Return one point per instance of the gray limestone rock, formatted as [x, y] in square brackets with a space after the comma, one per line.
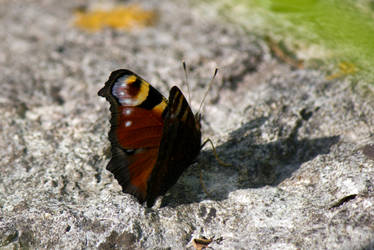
[300, 147]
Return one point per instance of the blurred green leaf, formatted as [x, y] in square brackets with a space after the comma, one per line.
[343, 28]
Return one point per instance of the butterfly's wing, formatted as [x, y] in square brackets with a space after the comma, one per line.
[179, 147]
[136, 129]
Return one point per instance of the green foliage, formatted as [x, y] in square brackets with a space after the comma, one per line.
[343, 28]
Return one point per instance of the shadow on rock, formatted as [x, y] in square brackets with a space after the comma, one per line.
[253, 165]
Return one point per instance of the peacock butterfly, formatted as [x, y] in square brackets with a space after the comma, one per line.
[153, 140]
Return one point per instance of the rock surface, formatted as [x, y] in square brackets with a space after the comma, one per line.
[299, 145]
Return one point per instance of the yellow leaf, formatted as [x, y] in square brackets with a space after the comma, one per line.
[121, 17]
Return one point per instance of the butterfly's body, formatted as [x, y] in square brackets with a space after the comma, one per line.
[153, 139]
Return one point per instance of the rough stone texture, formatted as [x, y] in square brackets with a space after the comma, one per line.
[302, 173]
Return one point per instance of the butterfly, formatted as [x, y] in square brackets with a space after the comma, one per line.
[153, 140]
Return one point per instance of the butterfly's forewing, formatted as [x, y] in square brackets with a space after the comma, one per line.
[136, 130]
[180, 145]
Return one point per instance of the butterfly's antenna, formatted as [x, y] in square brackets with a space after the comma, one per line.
[206, 92]
[186, 79]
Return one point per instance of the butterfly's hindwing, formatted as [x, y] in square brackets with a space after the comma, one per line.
[180, 145]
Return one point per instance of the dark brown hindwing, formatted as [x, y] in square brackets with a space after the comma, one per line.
[180, 145]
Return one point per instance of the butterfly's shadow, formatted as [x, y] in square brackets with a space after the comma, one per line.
[253, 165]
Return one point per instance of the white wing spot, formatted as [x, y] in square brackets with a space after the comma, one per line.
[127, 112]
[128, 123]
[121, 93]
[128, 101]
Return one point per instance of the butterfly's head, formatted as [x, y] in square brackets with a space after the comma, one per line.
[197, 121]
